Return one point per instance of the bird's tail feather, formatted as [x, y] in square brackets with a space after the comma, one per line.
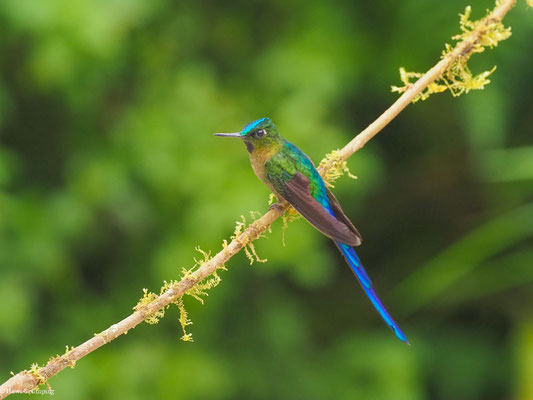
[355, 264]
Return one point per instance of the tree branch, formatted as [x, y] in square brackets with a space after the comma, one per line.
[461, 50]
[26, 381]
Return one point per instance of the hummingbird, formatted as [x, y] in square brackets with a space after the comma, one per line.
[292, 176]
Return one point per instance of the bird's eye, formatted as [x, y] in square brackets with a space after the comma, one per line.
[260, 133]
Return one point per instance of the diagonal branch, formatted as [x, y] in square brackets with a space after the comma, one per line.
[26, 381]
[461, 50]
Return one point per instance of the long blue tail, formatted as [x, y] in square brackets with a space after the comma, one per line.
[355, 264]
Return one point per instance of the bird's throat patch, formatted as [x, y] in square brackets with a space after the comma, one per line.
[250, 147]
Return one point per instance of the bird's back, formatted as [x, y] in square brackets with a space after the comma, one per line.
[290, 160]
[293, 176]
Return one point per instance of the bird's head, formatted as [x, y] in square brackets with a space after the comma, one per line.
[257, 135]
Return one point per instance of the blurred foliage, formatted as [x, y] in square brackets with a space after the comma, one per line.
[109, 178]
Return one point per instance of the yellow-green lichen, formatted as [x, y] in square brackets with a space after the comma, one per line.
[64, 358]
[458, 78]
[334, 166]
[288, 216]
[272, 199]
[184, 321]
[245, 240]
[150, 317]
[35, 372]
[201, 288]
[197, 291]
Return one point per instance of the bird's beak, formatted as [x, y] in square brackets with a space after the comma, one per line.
[234, 134]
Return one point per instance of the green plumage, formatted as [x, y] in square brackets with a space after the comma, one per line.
[283, 165]
[292, 176]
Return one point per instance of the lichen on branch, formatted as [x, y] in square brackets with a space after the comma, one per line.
[197, 291]
[334, 166]
[204, 276]
[478, 35]
[244, 239]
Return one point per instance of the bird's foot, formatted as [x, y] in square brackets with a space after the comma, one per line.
[277, 207]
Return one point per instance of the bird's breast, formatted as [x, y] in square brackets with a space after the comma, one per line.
[258, 165]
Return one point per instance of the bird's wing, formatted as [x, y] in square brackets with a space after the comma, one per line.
[337, 210]
[296, 191]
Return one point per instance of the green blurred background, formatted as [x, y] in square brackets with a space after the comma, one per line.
[109, 178]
